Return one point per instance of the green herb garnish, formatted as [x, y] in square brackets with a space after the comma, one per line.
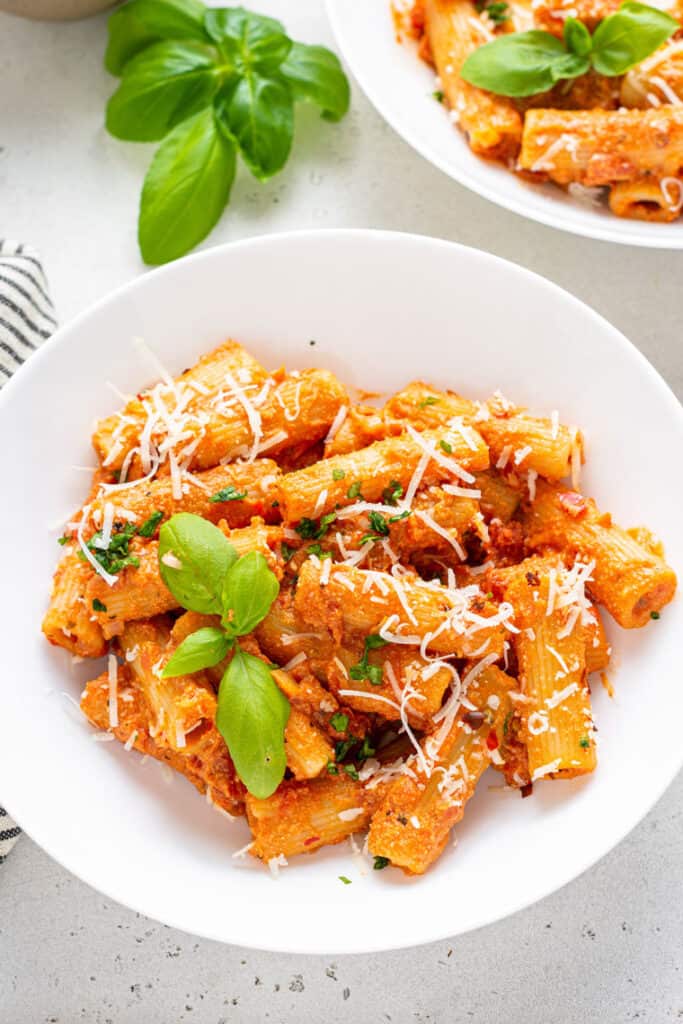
[318, 551]
[63, 540]
[380, 863]
[97, 605]
[332, 768]
[526, 63]
[363, 669]
[393, 493]
[211, 83]
[438, 96]
[351, 771]
[339, 721]
[655, 615]
[344, 879]
[229, 493]
[354, 490]
[116, 556]
[148, 528]
[314, 529]
[498, 12]
[584, 742]
[286, 551]
[430, 399]
[211, 579]
[338, 474]
[446, 446]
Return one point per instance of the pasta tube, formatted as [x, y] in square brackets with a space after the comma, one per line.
[303, 816]
[368, 473]
[628, 579]
[492, 124]
[207, 765]
[454, 623]
[557, 725]
[418, 810]
[596, 147]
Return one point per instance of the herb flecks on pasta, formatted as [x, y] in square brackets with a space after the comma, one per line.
[333, 618]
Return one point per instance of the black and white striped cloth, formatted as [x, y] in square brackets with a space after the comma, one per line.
[27, 318]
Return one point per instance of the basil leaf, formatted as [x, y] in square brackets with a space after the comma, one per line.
[202, 649]
[577, 37]
[251, 717]
[249, 41]
[521, 64]
[161, 87]
[143, 22]
[249, 590]
[186, 188]
[259, 114]
[629, 36]
[315, 74]
[205, 556]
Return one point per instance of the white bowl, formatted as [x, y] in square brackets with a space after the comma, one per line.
[382, 309]
[401, 87]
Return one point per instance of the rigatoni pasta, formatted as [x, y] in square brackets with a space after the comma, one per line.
[608, 131]
[434, 603]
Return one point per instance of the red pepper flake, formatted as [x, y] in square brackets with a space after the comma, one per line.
[311, 839]
[573, 504]
[492, 740]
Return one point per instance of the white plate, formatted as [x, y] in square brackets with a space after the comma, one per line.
[400, 86]
[383, 309]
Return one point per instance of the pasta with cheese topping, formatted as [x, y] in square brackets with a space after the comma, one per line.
[438, 585]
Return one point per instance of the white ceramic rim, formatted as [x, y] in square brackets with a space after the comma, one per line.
[599, 228]
[422, 932]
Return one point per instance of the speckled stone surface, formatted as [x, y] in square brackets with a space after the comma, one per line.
[608, 947]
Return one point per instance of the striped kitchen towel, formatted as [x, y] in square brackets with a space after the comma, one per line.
[27, 318]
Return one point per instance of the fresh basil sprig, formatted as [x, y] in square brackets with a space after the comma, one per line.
[525, 63]
[203, 572]
[209, 82]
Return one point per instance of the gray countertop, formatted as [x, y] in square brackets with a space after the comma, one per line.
[608, 946]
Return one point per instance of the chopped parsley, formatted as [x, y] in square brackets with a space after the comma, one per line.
[332, 768]
[354, 490]
[402, 515]
[584, 742]
[314, 529]
[447, 447]
[430, 399]
[438, 95]
[351, 771]
[339, 721]
[380, 863]
[342, 747]
[229, 493]
[318, 551]
[287, 551]
[97, 605]
[363, 669]
[654, 615]
[338, 474]
[366, 750]
[343, 878]
[498, 12]
[379, 523]
[116, 556]
[392, 493]
[63, 540]
[149, 526]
